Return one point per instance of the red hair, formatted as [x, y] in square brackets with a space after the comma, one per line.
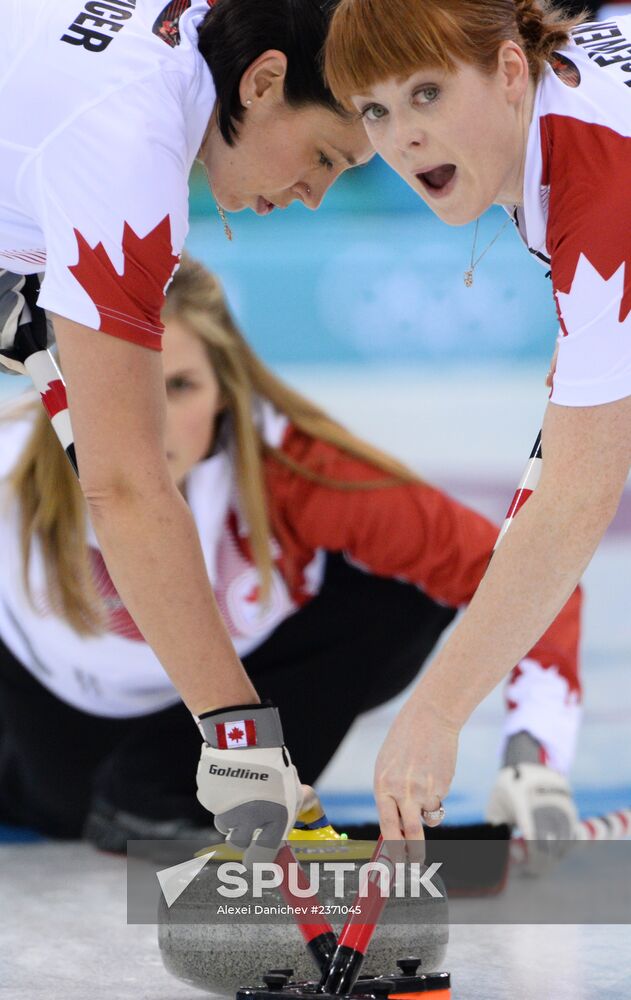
[373, 40]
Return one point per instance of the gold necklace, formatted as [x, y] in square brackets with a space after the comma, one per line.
[222, 215]
[226, 225]
[468, 275]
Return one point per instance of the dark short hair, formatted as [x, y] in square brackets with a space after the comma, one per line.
[235, 32]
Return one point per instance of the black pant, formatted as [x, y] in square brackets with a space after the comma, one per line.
[357, 644]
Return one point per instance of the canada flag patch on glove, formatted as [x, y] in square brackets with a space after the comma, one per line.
[231, 735]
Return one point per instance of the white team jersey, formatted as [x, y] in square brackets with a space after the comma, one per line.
[104, 107]
[116, 673]
[576, 216]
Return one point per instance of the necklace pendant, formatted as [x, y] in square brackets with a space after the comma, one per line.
[468, 277]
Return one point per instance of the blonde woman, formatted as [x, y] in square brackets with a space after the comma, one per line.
[335, 570]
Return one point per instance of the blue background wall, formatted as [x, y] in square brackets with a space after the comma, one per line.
[374, 276]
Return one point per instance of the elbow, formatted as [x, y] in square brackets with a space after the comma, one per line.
[110, 494]
[598, 507]
[589, 509]
[607, 509]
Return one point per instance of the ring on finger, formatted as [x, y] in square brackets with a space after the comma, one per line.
[434, 815]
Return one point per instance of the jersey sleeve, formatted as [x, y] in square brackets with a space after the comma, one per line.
[409, 531]
[587, 167]
[112, 190]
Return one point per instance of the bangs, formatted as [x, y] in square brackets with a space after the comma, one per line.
[373, 40]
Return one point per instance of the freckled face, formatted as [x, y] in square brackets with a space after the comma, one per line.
[193, 399]
[455, 138]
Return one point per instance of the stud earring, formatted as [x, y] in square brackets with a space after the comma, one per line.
[248, 103]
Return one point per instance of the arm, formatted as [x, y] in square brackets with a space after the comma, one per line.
[147, 534]
[148, 537]
[587, 454]
[108, 263]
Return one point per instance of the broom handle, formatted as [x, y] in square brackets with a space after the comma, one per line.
[47, 379]
[358, 930]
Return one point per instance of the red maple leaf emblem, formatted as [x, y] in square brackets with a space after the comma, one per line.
[236, 734]
[54, 399]
[253, 595]
[129, 304]
[589, 201]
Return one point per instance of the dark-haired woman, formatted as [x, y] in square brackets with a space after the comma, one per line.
[476, 102]
[105, 106]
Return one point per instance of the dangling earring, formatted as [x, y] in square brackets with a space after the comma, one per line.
[226, 225]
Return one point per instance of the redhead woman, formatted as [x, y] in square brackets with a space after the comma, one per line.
[334, 568]
[105, 106]
[482, 102]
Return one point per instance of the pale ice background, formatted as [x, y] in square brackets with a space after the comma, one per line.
[63, 934]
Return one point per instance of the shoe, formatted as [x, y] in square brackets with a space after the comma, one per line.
[109, 829]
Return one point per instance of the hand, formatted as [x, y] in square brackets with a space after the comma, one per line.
[414, 770]
[24, 326]
[246, 778]
[538, 802]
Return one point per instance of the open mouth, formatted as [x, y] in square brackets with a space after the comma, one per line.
[263, 206]
[438, 180]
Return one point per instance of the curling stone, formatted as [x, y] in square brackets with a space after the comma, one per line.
[221, 956]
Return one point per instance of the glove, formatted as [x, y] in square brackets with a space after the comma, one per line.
[24, 326]
[536, 800]
[246, 778]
